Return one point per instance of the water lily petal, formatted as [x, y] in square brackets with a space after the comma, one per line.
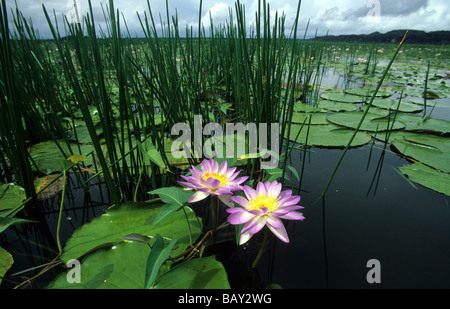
[259, 224]
[250, 224]
[250, 192]
[280, 233]
[244, 237]
[274, 188]
[289, 201]
[187, 184]
[198, 196]
[223, 167]
[261, 188]
[274, 222]
[293, 215]
[212, 182]
[225, 198]
[240, 200]
[240, 217]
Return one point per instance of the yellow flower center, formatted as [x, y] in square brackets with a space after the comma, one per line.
[221, 177]
[263, 200]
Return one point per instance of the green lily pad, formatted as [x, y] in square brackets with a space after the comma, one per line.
[48, 157]
[316, 118]
[427, 177]
[418, 123]
[122, 266]
[337, 106]
[393, 105]
[201, 273]
[367, 92]
[372, 122]
[428, 149]
[131, 218]
[327, 136]
[305, 108]
[6, 261]
[11, 196]
[342, 97]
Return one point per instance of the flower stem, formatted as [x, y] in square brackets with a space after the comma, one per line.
[262, 249]
[214, 213]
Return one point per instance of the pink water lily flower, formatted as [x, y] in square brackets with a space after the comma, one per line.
[214, 180]
[265, 206]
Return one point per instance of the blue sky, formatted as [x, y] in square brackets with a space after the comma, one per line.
[337, 17]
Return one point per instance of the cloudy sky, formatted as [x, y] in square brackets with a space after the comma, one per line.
[335, 16]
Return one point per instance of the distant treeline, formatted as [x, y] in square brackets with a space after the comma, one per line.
[394, 36]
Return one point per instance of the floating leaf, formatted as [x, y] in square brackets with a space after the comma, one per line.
[428, 124]
[431, 150]
[367, 92]
[130, 218]
[6, 261]
[201, 273]
[372, 122]
[328, 136]
[337, 106]
[427, 177]
[49, 158]
[121, 266]
[393, 105]
[11, 196]
[342, 97]
[305, 108]
[316, 118]
[52, 189]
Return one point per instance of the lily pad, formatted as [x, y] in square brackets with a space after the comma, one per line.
[123, 267]
[120, 266]
[131, 218]
[427, 177]
[201, 273]
[342, 97]
[49, 158]
[11, 196]
[372, 122]
[367, 92]
[305, 108]
[327, 136]
[393, 105]
[428, 149]
[316, 118]
[337, 106]
[6, 261]
[428, 124]
[51, 190]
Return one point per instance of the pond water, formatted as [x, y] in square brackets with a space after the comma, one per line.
[370, 211]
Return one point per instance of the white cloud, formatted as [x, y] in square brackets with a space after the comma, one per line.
[342, 17]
